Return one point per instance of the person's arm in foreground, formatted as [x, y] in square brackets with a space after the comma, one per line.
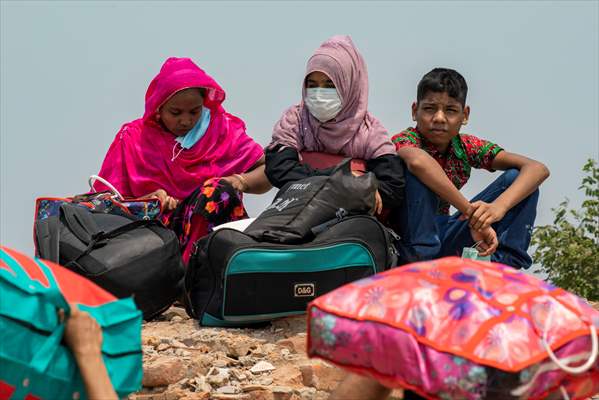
[532, 174]
[83, 336]
[356, 387]
[253, 181]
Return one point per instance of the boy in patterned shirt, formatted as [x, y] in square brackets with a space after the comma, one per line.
[439, 160]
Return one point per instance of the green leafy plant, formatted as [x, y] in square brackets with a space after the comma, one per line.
[568, 250]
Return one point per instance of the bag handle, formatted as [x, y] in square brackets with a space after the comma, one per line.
[101, 236]
[47, 239]
[344, 167]
[564, 367]
[46, 352]
[93, 178]
[52, 294]
[126, 228]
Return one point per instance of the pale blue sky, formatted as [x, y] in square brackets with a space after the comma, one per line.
[72, 72]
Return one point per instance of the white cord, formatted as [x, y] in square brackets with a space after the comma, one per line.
[93, 178]
[179, 152]
[572, 370]
[547, 366]
[564, 393]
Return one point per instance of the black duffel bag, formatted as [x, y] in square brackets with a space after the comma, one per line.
[307, 203]
[233, 280]
[127, 257]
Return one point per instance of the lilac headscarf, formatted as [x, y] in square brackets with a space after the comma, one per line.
[354, 132]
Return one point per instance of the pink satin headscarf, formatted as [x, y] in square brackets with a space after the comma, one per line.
[354, 132]
[140, 159]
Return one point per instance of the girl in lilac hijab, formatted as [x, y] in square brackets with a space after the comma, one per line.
[333, 118]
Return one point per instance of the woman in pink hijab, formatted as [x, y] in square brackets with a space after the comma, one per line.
[333, 118]
[188, 152]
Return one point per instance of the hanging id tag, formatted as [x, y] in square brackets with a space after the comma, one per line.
[472, 253]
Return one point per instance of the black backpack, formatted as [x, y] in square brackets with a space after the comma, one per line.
[125, 256]
[302, 205]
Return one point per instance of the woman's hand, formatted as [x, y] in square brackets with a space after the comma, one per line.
[378, 200]
[238, 182]
[168, 203]
[378, 203]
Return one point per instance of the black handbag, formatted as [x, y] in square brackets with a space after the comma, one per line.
[125, 256]
[305, 204]
[233, 280]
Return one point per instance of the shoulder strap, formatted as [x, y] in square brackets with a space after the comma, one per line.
[47, 239]
[100, 237]
[79, 221]
[150, 223]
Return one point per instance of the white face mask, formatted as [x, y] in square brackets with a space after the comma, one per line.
[323, 103]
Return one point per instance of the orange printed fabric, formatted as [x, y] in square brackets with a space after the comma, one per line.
[486, 312]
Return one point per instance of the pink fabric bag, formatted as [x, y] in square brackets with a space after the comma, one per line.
[460, 329]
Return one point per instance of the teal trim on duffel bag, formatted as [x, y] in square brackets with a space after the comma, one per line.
[240, 321]
[262, 317]
[210, 320]
[311, 259]
[314, 259]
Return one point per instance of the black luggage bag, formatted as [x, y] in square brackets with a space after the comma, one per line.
[300, 206]
[233, 280]
[127, 257]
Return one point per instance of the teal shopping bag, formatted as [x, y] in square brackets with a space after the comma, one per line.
[33, 360]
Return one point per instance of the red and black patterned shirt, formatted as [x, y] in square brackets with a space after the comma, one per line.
[463, 153]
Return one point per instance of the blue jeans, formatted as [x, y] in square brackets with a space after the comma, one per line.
[426, 235]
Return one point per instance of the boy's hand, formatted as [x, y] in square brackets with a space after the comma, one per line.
[482, 215]
[488, 239]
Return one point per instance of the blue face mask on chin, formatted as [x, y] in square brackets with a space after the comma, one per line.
[195, 134]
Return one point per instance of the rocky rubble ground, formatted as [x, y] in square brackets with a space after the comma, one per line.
[187, 362]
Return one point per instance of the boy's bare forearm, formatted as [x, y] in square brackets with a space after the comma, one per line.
[529, 179]
[430, 173]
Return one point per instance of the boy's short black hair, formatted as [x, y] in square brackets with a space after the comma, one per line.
[443, 80]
